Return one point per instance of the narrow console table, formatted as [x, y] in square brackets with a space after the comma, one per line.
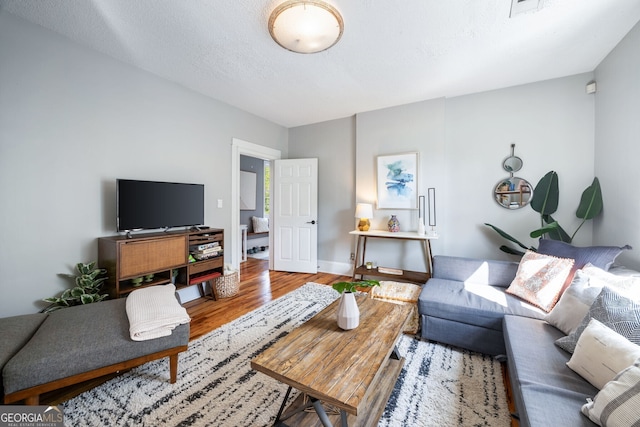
[360, 268]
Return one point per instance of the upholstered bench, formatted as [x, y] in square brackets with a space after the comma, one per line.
[75, 344]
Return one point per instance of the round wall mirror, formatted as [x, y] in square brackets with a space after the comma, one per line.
[513, 192]
[512, 164]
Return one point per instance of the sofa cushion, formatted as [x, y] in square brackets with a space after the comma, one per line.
[79, 339]
[16, 332]
[471, 303]
[616, 405]
[470, 270]
[615, 311]
[546, 391]
[540, 279]
[601, 354]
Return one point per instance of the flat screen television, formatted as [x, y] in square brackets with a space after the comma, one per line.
[143, 205]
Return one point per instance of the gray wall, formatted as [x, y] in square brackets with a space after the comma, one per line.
[551, 123]
[462, 142]
[618, 148]
[333, 144]
[72, 121]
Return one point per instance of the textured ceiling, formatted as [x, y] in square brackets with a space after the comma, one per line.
[392, 52]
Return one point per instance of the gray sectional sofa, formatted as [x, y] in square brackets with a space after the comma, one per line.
[464, 304]
[44, 352]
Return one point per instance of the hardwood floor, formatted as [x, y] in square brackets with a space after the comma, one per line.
[258, 286]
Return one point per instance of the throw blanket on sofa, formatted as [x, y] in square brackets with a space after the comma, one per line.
[154, 312]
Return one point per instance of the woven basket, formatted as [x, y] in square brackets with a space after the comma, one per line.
[227, 285]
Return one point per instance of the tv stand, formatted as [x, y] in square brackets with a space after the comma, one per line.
[159, 258]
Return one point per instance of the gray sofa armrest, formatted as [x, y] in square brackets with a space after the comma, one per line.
[471, 270]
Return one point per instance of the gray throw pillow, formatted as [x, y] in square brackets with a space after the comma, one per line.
[600, 256]
[613, 310]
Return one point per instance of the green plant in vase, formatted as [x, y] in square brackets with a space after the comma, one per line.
[342, 287]
[348, 314]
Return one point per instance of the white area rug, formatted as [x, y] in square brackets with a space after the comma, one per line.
[216, 386]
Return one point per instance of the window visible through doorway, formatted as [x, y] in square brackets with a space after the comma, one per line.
[267, 185]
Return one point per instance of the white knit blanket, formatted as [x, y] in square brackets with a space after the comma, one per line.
[154, 312]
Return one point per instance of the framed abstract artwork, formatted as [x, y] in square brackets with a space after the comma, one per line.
[397, 181]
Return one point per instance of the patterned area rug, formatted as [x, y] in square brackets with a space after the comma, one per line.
[439, 386]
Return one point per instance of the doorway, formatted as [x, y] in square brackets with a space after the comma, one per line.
[244, 148]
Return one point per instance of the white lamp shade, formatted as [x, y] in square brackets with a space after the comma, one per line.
[364, 210]
[306, 26]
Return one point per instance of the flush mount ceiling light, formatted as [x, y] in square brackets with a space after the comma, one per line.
[306, 26]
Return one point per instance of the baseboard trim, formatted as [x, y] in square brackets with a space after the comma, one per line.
[341, 268]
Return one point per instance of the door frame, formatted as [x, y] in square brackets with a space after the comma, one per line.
[240, 147]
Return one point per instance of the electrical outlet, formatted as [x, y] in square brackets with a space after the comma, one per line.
[353, 256]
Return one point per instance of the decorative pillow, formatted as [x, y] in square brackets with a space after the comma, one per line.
[539, 279]
[574, 303]
[626, 285]
[600, 256]
[260, 225]
[601, 354]
[613, 310]
[616, 405]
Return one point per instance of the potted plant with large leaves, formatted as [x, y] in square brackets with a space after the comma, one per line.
[545, 200]
[348, 314]
[88, 283]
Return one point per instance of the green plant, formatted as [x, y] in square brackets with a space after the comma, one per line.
[545, 200]
[86, 290]
[351, 286]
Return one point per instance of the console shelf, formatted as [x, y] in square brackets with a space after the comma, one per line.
[159, 254]
[360, 269]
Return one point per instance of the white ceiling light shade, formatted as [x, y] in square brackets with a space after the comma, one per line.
[306, 26]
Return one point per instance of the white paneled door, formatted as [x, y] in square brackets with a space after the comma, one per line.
[295, 215]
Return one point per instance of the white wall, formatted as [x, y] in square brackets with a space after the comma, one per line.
[71, 122]
[333, 144]
[617, 147]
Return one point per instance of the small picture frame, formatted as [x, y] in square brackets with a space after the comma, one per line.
[397, 181]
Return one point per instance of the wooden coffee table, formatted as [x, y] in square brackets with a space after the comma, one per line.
[354, 371]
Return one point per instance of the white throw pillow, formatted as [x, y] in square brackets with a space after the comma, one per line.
[625, 285]
[260, 225]
[601, 354]
[574, 303]
[616, 405]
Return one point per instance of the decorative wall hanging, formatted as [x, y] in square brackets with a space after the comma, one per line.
[397, 181]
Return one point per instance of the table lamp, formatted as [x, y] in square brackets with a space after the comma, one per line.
[364, 211]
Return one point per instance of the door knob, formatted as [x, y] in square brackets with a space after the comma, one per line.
[311, 222]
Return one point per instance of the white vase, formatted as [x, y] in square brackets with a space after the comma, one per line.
[348, 312]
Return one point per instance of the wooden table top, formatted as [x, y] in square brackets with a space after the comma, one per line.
[336, 366]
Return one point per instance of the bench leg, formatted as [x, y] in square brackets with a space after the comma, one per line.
[173, 368]
[32, 400]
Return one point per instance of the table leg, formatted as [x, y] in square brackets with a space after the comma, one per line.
[356, 259]
[428, 258]
[322, 414]
[343, 418]
[284, 402]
